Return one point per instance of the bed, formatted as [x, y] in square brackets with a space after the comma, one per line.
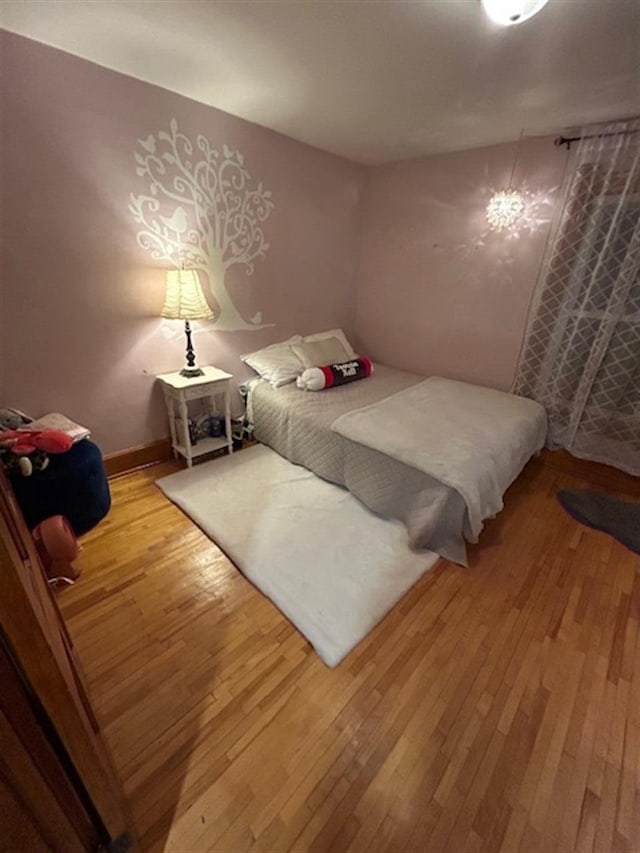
[301, 426]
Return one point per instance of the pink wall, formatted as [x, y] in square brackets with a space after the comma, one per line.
[79, 325]
[437, 292]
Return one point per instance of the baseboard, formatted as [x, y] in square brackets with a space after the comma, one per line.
[134, 458]
[604, 476]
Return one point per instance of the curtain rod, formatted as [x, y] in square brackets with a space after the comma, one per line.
[567, 140]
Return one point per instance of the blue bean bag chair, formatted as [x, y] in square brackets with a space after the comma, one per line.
[73, 484]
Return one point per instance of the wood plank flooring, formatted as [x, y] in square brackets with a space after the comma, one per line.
[495, 709]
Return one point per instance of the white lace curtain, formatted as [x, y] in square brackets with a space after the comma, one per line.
[581, 356]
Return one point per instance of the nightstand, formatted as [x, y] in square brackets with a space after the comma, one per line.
[178, 390]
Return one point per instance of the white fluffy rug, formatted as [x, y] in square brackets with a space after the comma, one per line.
[331, 566]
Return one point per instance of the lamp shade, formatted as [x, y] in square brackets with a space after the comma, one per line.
[185, 299]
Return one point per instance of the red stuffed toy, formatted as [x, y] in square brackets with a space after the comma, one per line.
[26, 449]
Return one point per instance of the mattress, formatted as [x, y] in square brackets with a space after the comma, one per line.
[297, 424]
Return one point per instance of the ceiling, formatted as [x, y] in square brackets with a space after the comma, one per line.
[371, 80]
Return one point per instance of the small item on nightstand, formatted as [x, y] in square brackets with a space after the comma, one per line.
[194, 432]
[210, 426]
[216, 426]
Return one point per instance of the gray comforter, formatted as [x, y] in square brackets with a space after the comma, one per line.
[297, 424]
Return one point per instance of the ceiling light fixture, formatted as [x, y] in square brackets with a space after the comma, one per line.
[510, 12]
[506, 207]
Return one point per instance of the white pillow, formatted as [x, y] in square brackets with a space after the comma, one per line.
[277, 363]
[333, 333]
[324, 351]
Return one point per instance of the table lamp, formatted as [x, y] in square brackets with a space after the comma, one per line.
[185, 301]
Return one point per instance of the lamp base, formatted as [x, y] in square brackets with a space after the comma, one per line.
[191, 371]
[191, 368]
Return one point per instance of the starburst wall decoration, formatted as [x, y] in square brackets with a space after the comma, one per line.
[505, 210]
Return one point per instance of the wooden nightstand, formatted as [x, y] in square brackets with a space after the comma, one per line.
[180, 389]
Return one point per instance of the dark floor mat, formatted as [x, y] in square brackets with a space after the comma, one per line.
[620, 519]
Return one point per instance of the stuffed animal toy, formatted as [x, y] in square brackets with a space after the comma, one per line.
[26, 450]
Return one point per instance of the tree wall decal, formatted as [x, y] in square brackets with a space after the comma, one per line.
[203, 211]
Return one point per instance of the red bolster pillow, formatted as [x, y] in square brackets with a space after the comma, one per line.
[331, 375]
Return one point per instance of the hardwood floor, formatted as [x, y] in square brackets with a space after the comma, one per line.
[495, 708]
